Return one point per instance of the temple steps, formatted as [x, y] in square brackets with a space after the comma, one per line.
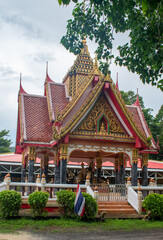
[105, 209]
[116, 209]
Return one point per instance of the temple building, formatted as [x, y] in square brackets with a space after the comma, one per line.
[83, 120]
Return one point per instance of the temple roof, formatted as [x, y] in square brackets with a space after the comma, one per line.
[48, 118]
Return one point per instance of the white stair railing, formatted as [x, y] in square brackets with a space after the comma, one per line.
[132, 198]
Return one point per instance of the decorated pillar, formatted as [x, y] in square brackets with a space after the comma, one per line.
[57, 167]
[99, 166]
[144, 169]
[46, 164]
[63, 162]
[23, 171]
[41, 166]
[121, 169]
[31, 160]
[116, 171]
[134, 167]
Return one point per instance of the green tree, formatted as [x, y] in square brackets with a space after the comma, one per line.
[158, 121]
[130, 98]
[99, 20]
[4, 141]
[155, 124]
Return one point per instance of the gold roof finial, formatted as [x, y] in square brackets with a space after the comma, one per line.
[96, 63]
[84, 37]
[96, 69]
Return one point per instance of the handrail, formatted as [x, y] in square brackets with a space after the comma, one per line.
[2, 186]
[90, 191]
[132, 198]
[47, 185]
[148, 188]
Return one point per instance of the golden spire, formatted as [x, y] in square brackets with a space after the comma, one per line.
[96, 69]
[96, 63]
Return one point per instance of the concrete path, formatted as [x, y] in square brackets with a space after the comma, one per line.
[111, 235]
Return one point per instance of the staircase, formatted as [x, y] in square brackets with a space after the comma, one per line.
[116, 210]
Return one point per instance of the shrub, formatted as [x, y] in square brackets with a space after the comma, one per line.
[90, 207]
[10, 202]
[154, 203]
[66, 199]
[37, 201]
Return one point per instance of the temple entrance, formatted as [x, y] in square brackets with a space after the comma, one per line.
[91, 164]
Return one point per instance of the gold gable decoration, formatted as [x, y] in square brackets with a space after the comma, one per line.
[90, 123]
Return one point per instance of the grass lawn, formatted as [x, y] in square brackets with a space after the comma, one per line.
[58, 225]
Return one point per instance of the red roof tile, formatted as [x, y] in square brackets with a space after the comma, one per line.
[58, 97]
[37, 119]
[135, 115]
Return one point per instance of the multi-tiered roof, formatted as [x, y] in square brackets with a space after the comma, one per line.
[77, 107]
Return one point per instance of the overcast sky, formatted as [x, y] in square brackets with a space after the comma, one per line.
[30, 33]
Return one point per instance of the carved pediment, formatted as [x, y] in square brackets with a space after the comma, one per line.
[101, 120]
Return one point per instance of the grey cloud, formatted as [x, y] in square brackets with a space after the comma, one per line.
[6, 70]
[29, 28]
[41, 57]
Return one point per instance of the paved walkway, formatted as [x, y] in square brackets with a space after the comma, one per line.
[111, 235]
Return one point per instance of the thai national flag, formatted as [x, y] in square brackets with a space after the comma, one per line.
[79, 202]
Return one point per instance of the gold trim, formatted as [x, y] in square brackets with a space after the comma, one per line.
[128, 115]
[48, 101]
[83, 108]
[135, 155]
[63, 151]
[71, 104]
[144, 161]
[107, 137]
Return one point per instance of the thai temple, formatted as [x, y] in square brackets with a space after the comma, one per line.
[82, 120]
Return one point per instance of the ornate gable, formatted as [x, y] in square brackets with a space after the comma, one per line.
[101, 122]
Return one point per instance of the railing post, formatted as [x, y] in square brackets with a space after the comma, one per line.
[96, 193]
[87, 182]
[37, 181]
[43, 182]
[7, 180]
[151, 185]
[108, 189]
[139, 201]
[154, 183]
[128, 182]
[26, 188]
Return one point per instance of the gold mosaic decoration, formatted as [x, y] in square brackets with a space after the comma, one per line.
[32, 153]
[63, 151]
[79, 81]
[83, 66]
[101, 107]
[135, 155]
[144, 161]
